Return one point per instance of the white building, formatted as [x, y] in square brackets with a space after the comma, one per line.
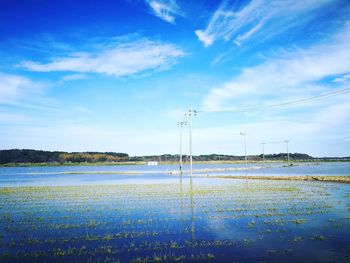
[152, 163]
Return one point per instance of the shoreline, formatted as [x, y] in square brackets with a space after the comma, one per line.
[314, 162]
[173, 172]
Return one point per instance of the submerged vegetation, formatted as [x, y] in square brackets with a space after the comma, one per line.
[193, 220]
[323, 178]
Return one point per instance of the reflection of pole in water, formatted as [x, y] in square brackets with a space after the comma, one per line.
[181, 124]
[287, 141]
[245, 152]
[181, 202]
[263, 151]
[192, 210]
[191, 113]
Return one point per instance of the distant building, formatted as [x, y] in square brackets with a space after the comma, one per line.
[152, 163]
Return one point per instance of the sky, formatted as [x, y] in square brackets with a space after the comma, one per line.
[118, 75]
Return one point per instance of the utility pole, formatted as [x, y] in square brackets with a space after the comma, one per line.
[263, 150]
[287, 141]
[245, 151]
[191, 113]
[181, 124]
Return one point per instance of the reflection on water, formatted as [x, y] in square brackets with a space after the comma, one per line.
[47, 176]
[181, 202]
[204, 219]
[192, 210]
[191, 195]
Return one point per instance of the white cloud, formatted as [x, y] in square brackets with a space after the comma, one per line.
[316, 128]
[13, 87]
[205, 38]
[81, 109]
[259, 18]
[335, 114]
[292, 75]
[78, 137]
[343, 78]
[308, 133]
[175, 114]
[21, 91]
[122, 59]
[6, 117]
[73, 77]
[165, 9]
[320, 133]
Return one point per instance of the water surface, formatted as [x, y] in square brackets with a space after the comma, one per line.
[50, 176]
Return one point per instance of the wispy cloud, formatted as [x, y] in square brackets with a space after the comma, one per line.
[175, 114]
[309, 134]
[343, 78]
[259, 18]
[23, 92]
[312, 133]
[77, 137]
[81, 109]
[165, 9]
[73, 77]
[121, 59]
[288, 76]
[6, 117]
[13, 87]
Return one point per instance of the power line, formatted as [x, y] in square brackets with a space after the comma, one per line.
[273, 142]
[289, 103]
[312, 99]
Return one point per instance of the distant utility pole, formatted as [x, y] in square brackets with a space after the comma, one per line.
[263, 150]
[181, 124]
[191, 113]
[287, 141]
[245, 151]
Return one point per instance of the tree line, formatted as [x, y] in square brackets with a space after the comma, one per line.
[37, 156]
[16, 156]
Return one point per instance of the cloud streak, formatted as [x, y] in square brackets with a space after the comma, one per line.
[21, 91]
[166, 10]
[121, 59]
[259, 19]
[311, 133]
[286, 77]
[6, 117]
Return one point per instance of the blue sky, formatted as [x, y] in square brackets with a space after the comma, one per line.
[119, 75]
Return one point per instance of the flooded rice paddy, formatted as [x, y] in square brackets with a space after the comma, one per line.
[164, 218]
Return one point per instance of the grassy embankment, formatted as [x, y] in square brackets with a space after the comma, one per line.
[316, 178]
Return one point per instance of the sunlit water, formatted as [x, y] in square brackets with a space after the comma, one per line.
[31, 176]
